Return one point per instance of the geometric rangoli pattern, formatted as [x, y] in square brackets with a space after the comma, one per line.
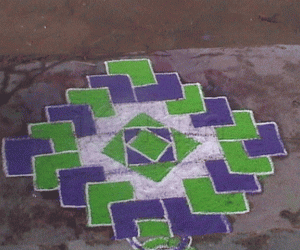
[148, 155]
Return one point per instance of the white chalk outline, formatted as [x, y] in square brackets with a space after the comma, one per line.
[226, 222]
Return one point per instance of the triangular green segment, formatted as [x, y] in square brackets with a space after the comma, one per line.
[98, 99]
[115, 148]
[156, 171]
[184, 145]
[143, 120]
[139, 71]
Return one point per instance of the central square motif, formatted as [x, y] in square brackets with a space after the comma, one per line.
[148, 147]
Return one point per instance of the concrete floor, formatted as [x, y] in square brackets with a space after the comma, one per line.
[39, 39]
[262, 79]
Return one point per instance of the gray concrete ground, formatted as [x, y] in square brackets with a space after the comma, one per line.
[263, 79]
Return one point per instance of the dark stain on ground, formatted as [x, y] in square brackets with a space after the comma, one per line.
[254, 242]
[38, 212]
[218, 86]
[50, 195]
[293, 218]
[73, 218]
[208, 54]
[271, 19]
[231, 219]
[16, 187]
[280, 230]
[58, 217]
[2, 216]
[58, 247]
[18, 221]
[209, 238]
[99, 235]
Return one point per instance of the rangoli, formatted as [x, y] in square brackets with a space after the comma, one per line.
[148, 155]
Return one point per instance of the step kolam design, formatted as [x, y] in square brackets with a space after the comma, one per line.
[147, 155]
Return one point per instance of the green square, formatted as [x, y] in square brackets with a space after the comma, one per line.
[149, 144]
[98, 99]
[153, 228]
[140, 71]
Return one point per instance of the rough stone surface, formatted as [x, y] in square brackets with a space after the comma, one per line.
[28, 66]
[14, 81]
[79, 244]
[74, 67]
[2, 75]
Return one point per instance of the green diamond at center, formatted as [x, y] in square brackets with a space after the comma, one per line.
[152, 154]
[149, 144]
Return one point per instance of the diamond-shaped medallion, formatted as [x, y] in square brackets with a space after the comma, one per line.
[149, 148]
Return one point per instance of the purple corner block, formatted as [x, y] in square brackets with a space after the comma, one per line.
[130, 133]
[168, 155]
[226, 182]
[135, 157]
[125, 213]
[119, 87]
[269, 144]
[81, 115]
[184, 223]
[18, 153]
[72, 184]
[168, 87]
[218, 113]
